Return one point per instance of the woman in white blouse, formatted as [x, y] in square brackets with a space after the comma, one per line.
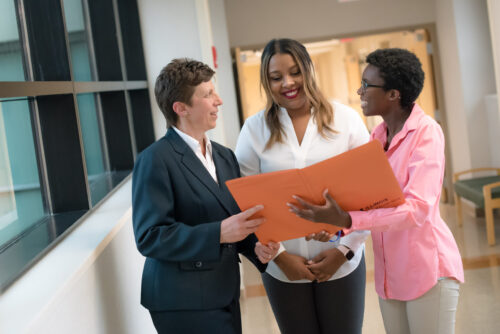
[313, 286]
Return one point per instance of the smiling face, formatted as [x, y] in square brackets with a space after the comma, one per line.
[201, 114]
[287, 82]
[374, 100]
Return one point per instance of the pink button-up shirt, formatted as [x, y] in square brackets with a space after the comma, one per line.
[413, 246]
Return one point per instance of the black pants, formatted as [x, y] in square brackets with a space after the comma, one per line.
[319, 308]
[219, 321]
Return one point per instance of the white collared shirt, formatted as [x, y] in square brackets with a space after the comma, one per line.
[253, 159]
[207, 159]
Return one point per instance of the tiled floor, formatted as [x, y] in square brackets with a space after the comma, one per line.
[479, 303]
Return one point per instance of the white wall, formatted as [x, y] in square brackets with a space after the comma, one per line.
[478, 78]
[493, 115]
[257, 21]
[492, 105]
[104, 298]
[466, 59]
[458, 135]
[169, 30]
[225, 77]
[494, 19]
[188, 28]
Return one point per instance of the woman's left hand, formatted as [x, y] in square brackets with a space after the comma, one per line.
[266, 252]
[325, 264]
[330, 213]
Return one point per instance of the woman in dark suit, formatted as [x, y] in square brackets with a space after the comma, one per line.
[186, 223]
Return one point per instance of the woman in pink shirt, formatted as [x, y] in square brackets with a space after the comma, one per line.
[417, 263]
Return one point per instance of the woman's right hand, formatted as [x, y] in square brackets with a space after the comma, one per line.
[330, 212]
[294, 266]
[322, 236]
[237, 227]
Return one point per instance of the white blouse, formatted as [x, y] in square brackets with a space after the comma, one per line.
[207, 160]
[253, 159]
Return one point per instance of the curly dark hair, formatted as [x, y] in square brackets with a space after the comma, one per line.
[177, 82]
[401, 70]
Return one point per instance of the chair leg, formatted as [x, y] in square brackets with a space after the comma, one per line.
[458, 205]
[490, 227]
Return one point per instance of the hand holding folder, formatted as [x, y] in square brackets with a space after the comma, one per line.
[359, 179]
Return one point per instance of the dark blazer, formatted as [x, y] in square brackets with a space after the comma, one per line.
[177, 212]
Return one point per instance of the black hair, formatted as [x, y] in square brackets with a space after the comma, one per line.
[401, 70]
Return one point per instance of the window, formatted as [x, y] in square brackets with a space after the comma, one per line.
[92, 144]
[78, 36]
[11, 60]
[21, 203]
[74, 113]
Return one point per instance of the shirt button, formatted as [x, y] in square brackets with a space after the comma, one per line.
[198, 264]
[229, 246]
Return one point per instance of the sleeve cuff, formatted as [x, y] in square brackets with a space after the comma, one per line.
[280, 250]
[355, 220]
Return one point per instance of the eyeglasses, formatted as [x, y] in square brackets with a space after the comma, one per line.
[365, 85]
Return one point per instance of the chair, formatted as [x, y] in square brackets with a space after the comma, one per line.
[484, 192]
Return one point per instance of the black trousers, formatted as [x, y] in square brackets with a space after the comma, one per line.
[226, 320]
[319, 308]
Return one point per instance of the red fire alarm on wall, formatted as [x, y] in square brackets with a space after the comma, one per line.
[214, 56]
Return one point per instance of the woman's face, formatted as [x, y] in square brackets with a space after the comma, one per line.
[287, 82]
[201, 113]
[373, 96]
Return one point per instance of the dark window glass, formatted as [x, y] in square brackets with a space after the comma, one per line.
[105, 40]
[77, 35]
[11, 56]
[21, 203]
[47, 39]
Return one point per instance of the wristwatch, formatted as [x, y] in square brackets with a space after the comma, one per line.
[348, 253]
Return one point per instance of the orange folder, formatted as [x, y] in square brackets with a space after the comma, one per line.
[359, 179]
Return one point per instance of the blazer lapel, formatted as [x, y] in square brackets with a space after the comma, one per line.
[222, 175]
[196, 168]
[219, 167]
